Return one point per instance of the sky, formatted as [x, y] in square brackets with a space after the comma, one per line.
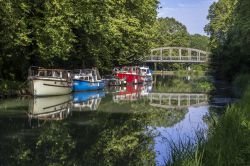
[191, 13]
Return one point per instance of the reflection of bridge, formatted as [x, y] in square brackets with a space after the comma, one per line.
[177, 100]
[178, 55]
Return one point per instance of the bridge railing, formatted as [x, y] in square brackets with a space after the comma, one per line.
[178, 54]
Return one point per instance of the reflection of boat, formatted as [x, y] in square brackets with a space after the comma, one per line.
[87, 79]
[50, 108]
[87, 100]
[49, 82]
[129, 93]
[112, 80]
[145, 71]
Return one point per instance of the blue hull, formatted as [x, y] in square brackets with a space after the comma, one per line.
[85, 96]
[81, 85]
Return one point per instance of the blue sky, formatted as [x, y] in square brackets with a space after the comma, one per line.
[191, 13]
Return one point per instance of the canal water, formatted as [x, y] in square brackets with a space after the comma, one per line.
[130, 125]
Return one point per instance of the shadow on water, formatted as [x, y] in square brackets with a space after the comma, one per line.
[119, 126]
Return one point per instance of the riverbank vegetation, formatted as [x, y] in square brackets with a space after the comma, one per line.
[227, 142]
[230, 37]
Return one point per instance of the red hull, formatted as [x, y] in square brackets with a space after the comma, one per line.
[131, 78]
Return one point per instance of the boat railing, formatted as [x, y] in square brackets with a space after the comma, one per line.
[49, 73]
[87, 74]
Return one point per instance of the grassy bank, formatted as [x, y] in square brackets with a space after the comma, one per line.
[228, 142]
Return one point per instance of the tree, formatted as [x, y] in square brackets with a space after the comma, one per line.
[229, 29]
[169, 32]
[199, 42]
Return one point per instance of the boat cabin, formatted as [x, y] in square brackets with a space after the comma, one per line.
[91, 75]
[127, 69]
[49, 73]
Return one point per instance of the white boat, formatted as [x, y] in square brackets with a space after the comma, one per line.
[50, 108]
[49, 82]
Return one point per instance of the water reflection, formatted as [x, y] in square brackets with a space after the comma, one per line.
[123, 130]
[131, 92]
[87, 100]
[177, 100]
[50, 108]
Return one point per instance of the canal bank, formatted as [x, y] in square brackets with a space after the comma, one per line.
[227, 142]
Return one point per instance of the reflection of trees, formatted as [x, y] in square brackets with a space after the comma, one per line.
[153, 115]
[121, 140]
[92, 138]
[54, 144]
[51, 145]
[108, 138]
[177, 84]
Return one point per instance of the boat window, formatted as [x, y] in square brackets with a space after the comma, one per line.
[41, 73]
[49, 73]
[56, 74]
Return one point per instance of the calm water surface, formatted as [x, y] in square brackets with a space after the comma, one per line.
[132, 125]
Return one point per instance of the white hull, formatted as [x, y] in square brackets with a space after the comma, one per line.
[49, 87]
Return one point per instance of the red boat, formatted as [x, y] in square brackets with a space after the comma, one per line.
[132, 74]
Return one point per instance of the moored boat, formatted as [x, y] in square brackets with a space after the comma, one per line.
[132, 74]
[87, 80]
[49, 82]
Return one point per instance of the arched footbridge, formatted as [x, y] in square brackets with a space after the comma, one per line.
[178, 55]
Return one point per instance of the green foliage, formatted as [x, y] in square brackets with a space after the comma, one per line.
[199, 42]
[229, 29]
[169, 32]
[73, 33]
[240, 84]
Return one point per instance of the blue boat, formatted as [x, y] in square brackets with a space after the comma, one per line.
[87, 80]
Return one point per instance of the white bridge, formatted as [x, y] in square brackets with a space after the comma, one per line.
[177, 100]
[178, 55]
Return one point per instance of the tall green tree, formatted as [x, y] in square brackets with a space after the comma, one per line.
[229, 30]
[199, 42]
[169, 32]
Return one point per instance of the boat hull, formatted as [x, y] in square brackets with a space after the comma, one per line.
[49, 87]
[81, 85]
[131, 78]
